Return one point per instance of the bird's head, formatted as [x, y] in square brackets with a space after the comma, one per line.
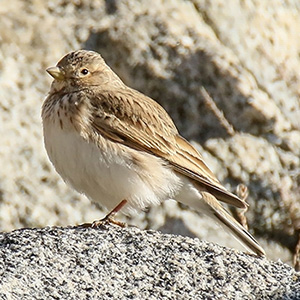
[81, 69]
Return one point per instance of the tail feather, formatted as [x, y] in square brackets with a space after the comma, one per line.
[205, 202]
[242, 234]
[220, 213]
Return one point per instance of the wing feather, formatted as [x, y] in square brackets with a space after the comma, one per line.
[133, 119]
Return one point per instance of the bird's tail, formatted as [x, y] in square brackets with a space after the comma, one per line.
[238, 230]
[211, 206]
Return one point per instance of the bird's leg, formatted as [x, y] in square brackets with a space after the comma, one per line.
[108, 219]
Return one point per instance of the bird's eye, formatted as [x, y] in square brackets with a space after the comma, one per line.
[84, 71]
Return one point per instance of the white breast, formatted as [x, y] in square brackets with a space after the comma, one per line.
[107, 173]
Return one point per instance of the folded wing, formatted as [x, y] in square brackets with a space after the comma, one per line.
[139, 122]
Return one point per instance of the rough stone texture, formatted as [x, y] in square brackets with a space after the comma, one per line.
[116, 263]
[246, 55]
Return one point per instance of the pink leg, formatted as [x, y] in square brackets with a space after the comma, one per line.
[108, 219]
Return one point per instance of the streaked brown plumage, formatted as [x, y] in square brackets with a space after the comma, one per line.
[123, 144]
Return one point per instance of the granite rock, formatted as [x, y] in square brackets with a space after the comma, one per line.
[127, 263]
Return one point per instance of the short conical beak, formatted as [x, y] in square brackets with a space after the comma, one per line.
[56, 73]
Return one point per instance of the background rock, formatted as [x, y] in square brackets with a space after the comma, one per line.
[245, 54]
[117, 263]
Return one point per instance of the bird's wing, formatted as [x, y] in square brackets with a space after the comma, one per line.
[135, 120]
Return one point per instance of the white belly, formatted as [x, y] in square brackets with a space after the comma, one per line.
[108, 174]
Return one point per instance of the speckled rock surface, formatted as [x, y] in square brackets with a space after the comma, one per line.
[116, 263]
[245, 54]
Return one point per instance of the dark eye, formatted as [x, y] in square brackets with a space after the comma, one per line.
[84, 71]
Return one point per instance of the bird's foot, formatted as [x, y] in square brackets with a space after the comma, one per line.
[108, 219]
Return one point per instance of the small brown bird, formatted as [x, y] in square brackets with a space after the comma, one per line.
[118, 146]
